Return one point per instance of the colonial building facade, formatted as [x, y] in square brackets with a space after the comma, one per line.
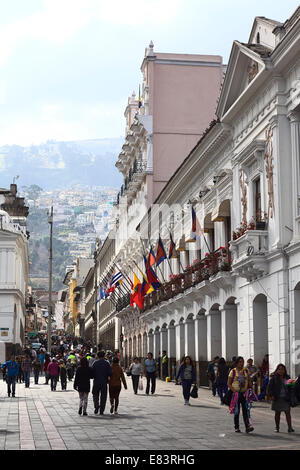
[14, 267]
[235, 291]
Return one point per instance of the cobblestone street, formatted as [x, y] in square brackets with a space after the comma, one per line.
[38, 419]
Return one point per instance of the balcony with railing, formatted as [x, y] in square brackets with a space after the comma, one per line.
[249, 251]
[202, 277]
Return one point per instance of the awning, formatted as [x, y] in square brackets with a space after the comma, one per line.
[221, 211]
[180, 244]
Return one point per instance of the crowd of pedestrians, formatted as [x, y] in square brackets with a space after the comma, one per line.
[237, 385]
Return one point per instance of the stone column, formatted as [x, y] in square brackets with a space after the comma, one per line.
[189, 338]
[150, 343]
[179, 343]
[294, 118]
[214, 342]
[229, 332]
[156, 345]
[171, 350]
[201, 348]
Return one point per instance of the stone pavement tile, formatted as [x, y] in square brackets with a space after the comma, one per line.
[57, 444]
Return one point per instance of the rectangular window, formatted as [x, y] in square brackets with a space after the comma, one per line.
[257, 200]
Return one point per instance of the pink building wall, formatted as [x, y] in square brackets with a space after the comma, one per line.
[183, 93]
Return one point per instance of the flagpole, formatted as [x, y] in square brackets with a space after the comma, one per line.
[125, 276]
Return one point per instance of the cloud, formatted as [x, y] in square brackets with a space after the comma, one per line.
[63, 122]
[60, 20]
[138, 12]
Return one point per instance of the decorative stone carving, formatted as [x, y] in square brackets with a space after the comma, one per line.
[269, 170]
[252, 71]
[243, 186]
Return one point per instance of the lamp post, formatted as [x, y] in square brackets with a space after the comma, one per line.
[50, 221]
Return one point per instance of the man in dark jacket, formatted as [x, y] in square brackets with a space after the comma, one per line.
[101, 373]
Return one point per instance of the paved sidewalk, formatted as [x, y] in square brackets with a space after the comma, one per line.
[38, 419]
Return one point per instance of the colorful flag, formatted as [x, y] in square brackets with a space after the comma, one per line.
[140, 99]
[172, 247]
[196, 231]
[160, 254]
[151, 257]
[116, 279]
[151, 276]
[137, 296]
[102, 294]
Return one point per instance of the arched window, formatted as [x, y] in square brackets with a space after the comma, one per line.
[258, 38]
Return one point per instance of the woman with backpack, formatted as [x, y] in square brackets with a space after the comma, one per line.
[280, 396]
[239, 383]
[187, 374]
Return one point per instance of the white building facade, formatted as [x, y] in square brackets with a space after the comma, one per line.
[243, 180]
[14, 267]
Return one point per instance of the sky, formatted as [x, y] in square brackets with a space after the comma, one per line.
[67, 67]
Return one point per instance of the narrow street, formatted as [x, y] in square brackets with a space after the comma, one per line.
[38, 419]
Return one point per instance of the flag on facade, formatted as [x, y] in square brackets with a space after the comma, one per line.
[151, 276]
[117, 278]
[140, 99]
[160, 253]
[172, 250]
[137, 296]
[196, 231]
[102, 294]
[151, 257]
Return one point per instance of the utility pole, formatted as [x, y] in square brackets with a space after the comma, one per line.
[50, 221]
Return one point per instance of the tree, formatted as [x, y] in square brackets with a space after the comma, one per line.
[33, 192]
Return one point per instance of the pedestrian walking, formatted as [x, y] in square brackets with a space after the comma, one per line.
[280, 396]
[12, 370]
[41, 356]
[239, 383]
[136, 370]
[53, 370]
[187, 374]
[63, 375]
[83, 376]
[164, 365]
[20, 376]
[101, 373]
[70, 370]
[159, 364]
[115, 385]
[37, 368]
[211, 374]
[253, 371]
[27, 367]
[151, 372]
[46, 372]
[73, 360]
[222, 378]
[92, 359]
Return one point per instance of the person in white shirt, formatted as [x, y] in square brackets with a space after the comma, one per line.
[136, 370]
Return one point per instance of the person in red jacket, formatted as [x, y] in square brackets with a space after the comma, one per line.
[53, 370]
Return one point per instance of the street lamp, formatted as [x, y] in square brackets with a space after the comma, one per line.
[50, 221]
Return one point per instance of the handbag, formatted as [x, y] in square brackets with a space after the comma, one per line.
[194, 392]
[227, 398]
[141, 387]
[128, 373]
